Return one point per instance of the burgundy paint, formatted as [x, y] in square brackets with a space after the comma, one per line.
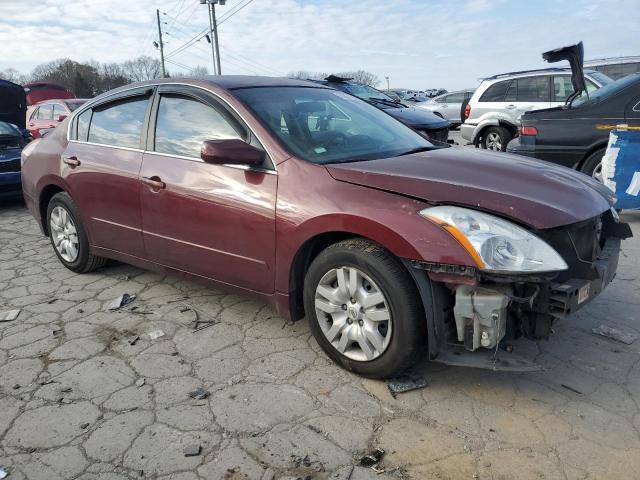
[242, 230]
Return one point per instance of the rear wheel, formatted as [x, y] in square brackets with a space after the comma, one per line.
[68, 237]
[592, 166]
[364, 309]
[496, 139]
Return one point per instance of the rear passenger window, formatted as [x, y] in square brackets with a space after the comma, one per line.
[45, 112]
[119, 123]
[533, 89]
[496, 92]
[83, 125]
[184, 123]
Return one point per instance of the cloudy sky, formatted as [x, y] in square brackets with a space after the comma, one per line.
[417, 43]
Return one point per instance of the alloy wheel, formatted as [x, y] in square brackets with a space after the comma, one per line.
[494, 142]
[597, 173]
[353, 314]
[64, 234]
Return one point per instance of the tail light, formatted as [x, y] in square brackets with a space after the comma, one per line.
[531, 131]
[467, 111]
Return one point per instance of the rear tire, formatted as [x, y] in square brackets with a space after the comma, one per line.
[68, 237]
[397, 342]
[496, 139]
[592, 165]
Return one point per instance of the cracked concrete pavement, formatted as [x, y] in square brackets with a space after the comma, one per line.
[71, 404]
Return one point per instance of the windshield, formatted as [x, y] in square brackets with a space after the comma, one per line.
[328, 126]
[601, 78]
[607, 91]
[6, 129]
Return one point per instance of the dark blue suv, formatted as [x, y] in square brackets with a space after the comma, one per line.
[11, 143]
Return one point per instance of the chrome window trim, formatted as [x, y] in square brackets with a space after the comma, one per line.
[88, 105]
[108, 146]
[249, 168]
[636, 108]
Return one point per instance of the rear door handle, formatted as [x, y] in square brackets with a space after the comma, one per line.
[510, 107]
[73, 162]
[154, 182]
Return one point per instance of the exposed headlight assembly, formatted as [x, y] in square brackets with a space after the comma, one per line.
[495, 244]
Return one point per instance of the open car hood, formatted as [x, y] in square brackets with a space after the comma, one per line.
[532, 192]
[574, 54]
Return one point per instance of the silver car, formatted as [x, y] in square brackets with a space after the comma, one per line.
[448, 106]
[492, 114]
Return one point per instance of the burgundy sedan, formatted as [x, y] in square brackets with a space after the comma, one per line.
[321, 204]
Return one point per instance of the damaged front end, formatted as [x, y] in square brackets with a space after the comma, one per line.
[478, 313]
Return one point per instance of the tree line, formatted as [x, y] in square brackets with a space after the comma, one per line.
[89, 79]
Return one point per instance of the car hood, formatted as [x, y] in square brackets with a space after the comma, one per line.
[532, 192]
[417, 117]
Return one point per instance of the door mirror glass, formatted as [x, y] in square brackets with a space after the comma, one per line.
[231, 151]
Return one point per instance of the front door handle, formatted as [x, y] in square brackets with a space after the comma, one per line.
[510, 107]
[73, 162]
[154, 182]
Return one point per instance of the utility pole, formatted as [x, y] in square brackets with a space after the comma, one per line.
[213, 30]
[164, 72]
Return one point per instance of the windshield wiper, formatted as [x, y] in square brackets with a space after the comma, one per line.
[391, 103]
[415, 150]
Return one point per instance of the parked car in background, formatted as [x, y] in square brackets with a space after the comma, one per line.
[11, 143]
[492, 114]
[448, 105]
[40, 91]
[321, 204]
[49, 113]
[577, 135]
[428, 124]
[13, 103]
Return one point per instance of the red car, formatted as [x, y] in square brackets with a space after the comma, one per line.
[48, 114]
[41, 91]
[317, 202]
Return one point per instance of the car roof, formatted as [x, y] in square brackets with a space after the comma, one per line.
[531, 73]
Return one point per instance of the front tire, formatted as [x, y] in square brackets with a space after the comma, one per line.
[68, 237]
[592, 166]
[364, 309]
[496, 139]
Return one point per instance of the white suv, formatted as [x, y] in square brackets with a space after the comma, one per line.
[492, 114]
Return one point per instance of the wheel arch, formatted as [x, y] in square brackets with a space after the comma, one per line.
[46, 194]
[594, 148]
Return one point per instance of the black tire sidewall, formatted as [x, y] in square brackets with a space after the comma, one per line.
[592, 162]
[408, 331]
[505, 137]
[64, 200]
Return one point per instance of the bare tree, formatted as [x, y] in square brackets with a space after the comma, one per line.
[14, 76]
[80, 78]
[112, 75]
[142, 68]
[306, 75]
[199, 72]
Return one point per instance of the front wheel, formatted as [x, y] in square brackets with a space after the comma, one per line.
[68, 236]
[496, 139]
[592, 166]
[364, 309]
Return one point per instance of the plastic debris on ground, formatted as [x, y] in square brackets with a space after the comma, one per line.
[405, 383]
[3, 473]
[9, 315]
[614, 334]
[199, 394]
[121, 301]
[156, 334]
[192, 450]
[140, 382]
[372, 458]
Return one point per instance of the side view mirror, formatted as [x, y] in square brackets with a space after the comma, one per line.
[235, 152]
[61, 117]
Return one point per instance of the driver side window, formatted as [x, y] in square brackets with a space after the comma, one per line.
[183, 123]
